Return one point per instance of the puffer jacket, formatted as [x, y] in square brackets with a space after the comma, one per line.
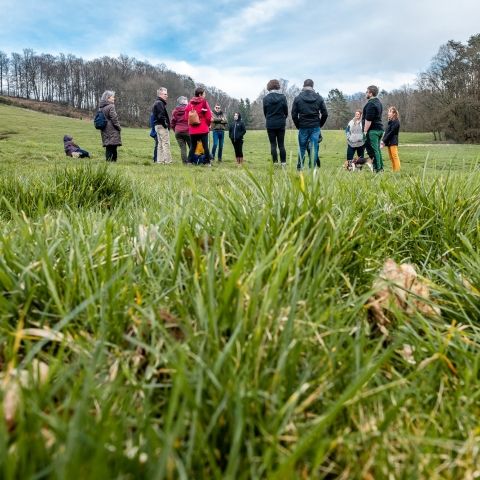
[204, 113]
[306, 109]
[275, 109]
[111, 133]
[179, 123]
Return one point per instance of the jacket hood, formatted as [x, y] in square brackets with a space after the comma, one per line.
[104, 103]
[275, 96]
[309, 96]
[197, 100]
[67, 138]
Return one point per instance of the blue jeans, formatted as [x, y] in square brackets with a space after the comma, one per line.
[305, 136]
[218, 136]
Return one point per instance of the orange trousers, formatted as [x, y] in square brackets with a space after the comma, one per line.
[394, 158]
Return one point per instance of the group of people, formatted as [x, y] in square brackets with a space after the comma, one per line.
[191, 121]
[309, 114]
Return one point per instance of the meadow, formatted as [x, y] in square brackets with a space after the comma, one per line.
[172, 322]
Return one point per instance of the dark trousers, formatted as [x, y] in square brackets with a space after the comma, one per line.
[351, 152]
[238, 147]
[202, 137]
[276, 136]
[183, 140]
[83, 153]
[111, 153]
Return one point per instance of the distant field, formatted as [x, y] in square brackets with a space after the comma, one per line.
[171, 322]
[29, 136]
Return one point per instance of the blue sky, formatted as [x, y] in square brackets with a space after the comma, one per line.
[239, 45]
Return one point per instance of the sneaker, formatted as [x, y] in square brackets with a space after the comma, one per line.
[284, 165]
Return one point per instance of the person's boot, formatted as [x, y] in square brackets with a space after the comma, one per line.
[241, 160]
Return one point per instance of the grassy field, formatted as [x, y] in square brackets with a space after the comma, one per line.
[211, 323]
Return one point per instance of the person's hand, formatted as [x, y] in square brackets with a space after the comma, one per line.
[382, 144]
[364, 136]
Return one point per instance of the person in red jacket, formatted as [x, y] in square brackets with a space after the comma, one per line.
[180, 126]
[198, 128]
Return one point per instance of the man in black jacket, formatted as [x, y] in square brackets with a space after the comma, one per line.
[309, 114]
[162, 127]
[373, 127]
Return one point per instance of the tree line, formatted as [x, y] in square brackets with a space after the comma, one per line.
[444, 100]
[79, 83]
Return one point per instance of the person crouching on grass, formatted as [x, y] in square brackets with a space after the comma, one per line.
[72, 149]
[236, 133]
[390, 138]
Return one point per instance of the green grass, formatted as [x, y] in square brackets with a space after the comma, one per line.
[213, 321]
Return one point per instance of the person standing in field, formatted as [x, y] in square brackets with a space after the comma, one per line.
[390, 138]
[309, 114]
[275, 109]
[180, 127]
[199, 117]
[355, 142]
[111, 138]
[218, 126]
[162, 127]
[236, 133]
[373, 127]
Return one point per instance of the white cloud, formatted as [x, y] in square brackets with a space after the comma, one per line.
[234, 29]
[239, 82]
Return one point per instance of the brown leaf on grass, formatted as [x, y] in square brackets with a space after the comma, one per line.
[11, 386]
[398, 287]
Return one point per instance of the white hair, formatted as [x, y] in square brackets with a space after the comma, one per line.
[161, 90]
[106, 95]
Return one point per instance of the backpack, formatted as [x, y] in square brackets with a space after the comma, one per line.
[193, 118]
[153, 133]
[100, 120]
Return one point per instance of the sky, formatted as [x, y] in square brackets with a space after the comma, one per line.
[238, 46]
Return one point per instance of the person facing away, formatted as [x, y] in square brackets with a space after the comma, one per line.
[275, 109]
[309, 114]
[373, 127]
[390, 138]
[72, 149]
[198, 130]
[236, 133]
[162, 127]
[218, 126]
[179, 125]
[111, 138]
[355, 142]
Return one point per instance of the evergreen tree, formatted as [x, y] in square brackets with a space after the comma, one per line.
[339, 112]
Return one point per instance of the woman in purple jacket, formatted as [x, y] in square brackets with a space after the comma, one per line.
[179, 125]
